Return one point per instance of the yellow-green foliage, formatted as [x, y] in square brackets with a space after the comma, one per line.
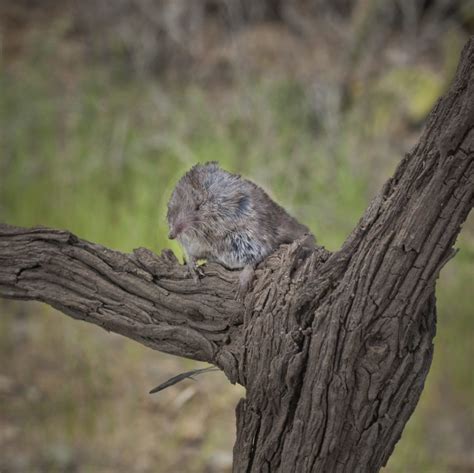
[413, 89]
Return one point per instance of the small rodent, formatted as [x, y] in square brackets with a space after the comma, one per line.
[221, 217]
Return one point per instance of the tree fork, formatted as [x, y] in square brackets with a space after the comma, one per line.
[332, 348]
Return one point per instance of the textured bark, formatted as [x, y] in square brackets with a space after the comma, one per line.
[333, 348]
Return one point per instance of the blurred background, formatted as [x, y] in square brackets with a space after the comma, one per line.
[103, 105]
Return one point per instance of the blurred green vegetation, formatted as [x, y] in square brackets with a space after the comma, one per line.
[98, 154]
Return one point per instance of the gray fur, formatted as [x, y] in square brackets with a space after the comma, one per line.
[219, 216]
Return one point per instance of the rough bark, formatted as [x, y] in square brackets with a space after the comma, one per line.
[333, 348]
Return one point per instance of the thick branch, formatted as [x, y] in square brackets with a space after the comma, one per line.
[142, 296]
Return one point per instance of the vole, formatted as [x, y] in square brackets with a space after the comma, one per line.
[221, 217]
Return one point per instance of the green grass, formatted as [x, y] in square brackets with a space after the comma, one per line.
[99, 156]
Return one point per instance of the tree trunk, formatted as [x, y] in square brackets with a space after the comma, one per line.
[333, 348]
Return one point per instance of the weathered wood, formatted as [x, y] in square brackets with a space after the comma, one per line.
[333, 348]
[143, 296]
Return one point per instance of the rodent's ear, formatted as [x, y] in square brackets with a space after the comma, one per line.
[244, 204]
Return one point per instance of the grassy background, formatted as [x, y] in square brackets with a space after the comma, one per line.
[96, 152]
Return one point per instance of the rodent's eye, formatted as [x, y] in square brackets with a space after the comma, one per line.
[197, 206]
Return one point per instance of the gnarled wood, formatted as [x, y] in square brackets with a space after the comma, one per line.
[333, 348]
[143, 296]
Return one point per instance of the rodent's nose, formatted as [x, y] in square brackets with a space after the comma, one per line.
[171, 235]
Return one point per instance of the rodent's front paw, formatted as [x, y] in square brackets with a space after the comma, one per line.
[245, 279]
[195, 272]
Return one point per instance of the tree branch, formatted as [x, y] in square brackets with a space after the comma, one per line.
[143, 296]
